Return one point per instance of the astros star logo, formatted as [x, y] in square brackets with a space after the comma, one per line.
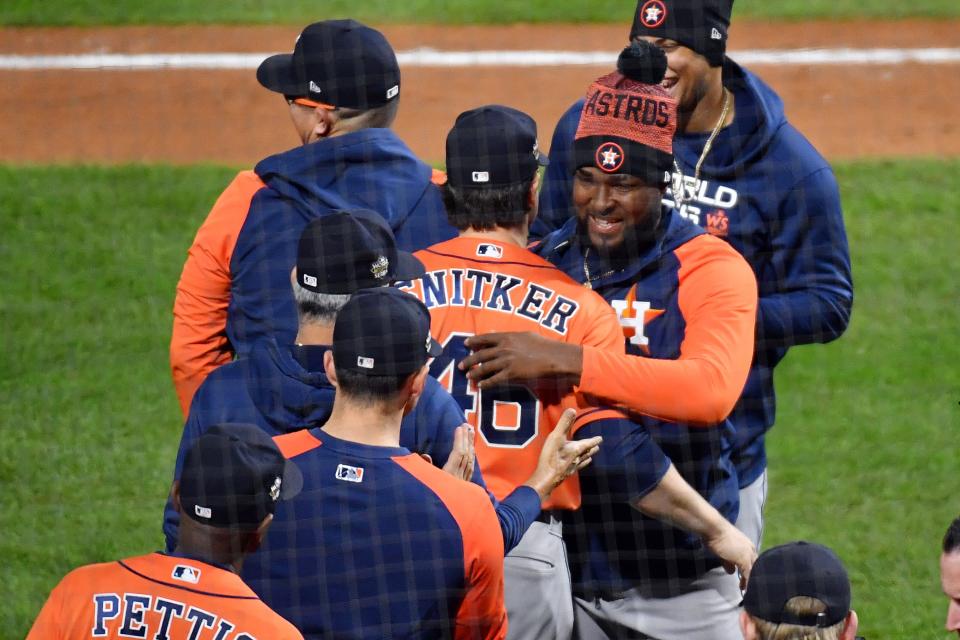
[654, 13]
[609, 157]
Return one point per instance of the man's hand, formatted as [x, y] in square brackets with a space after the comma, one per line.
[736, 551]
[504, 358]
[560, 458]
[463, 456]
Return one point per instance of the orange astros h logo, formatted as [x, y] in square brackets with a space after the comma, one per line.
[653, 13]
[609, 157]
[634, 316]
[717, 223]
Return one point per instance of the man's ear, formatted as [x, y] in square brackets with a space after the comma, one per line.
[747, 626]
[850, 625]
[413, 389]
[533, 199]
[255, 538]
[325, 121]
[329, 368]
[175, 496]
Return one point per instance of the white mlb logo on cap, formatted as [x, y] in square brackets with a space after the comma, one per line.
[481, 176]
[309, 280]
[392, 91]
[203, 512]
[366, 363]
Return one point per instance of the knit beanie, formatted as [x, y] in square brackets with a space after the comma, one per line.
[701, 25]
[628, 120]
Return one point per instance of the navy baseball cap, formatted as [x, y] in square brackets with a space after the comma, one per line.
[345, 251]
[383, 332]
[492, 146]
[338, 62]
[233, 476]
[798, 569]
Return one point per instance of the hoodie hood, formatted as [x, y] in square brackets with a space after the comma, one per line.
[371, 168]
[759, 116]
[287, 395]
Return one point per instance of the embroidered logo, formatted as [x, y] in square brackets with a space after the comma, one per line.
[349, 474]
[186, 573]
[314, 87]
[653, 12]
[203, 512]
[489, 251]
[717, 223]
[275, 488]
[480, 176]
[310, 281]
[392, 91]
[380, 268]
[715, 34]
[609, 157]
[365, 363]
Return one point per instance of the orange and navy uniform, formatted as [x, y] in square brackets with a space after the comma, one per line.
[688, 308]
[160, 597]
[380, 544]
[475, 286]
[235, 291]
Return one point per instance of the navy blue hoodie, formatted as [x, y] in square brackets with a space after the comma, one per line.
[371, 169]
[284, 389]
[765, 190]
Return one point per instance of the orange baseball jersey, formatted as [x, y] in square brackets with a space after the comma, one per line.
[475, 286]
[159, 597]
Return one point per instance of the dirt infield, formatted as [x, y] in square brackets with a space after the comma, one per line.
[186, 116]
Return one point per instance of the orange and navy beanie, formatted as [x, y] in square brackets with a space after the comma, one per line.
[701, 25]
[628, 120]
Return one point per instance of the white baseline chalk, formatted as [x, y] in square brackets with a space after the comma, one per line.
[426, 57]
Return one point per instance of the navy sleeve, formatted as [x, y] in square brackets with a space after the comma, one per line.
[806, 291]
[191, 431]
[556, 195]
[629, 464]
[516, 513]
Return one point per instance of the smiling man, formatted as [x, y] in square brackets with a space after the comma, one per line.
[687, 301]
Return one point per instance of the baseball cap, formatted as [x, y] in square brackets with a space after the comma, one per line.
[338, 62]
[492, 145]
[798, 569]
[383, 332]
[345, 251]
[233, 476]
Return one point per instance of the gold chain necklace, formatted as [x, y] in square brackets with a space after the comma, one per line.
[677, 186]
[586, 271]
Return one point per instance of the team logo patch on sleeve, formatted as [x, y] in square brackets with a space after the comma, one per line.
[186, 573]
[349, 474]
[653, 13]
[609, 157]
[489, 251]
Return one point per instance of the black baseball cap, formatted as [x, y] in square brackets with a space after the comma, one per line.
[492, 146]
[233, 476]
[345, 251]
[338, 62]
[798, 569]
[383, 332]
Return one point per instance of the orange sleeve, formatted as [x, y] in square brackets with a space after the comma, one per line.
[718, 299]
[482, 613]
[49, 624]
[199, 342]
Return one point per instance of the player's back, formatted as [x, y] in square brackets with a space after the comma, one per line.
[475, 286]
[378, 544]
[157, 596]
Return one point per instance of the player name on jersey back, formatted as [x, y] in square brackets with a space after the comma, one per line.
[136, 615]
[486, 289]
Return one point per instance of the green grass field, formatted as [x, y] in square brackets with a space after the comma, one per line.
[863, 458]
[95, 12]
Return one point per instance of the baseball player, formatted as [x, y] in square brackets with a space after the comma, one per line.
[283, 388]
[687, 302]
[342, 87]
[485, 280]
[232, 478]
[744, 174]
[380, 543]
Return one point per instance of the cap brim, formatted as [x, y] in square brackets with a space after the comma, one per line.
[292, 481]
[276, 73]
[409, 267]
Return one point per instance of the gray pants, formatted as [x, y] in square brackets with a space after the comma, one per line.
[537, 585]
[753, 497]
[707, 609]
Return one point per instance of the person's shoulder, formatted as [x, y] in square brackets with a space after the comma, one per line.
[707, 253]
[457, 495]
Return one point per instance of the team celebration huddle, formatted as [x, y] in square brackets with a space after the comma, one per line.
[524, 397]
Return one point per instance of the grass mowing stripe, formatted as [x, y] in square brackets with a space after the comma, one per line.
[96, 12]
[863, 456]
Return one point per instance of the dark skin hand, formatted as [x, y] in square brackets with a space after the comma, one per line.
[506, 358]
